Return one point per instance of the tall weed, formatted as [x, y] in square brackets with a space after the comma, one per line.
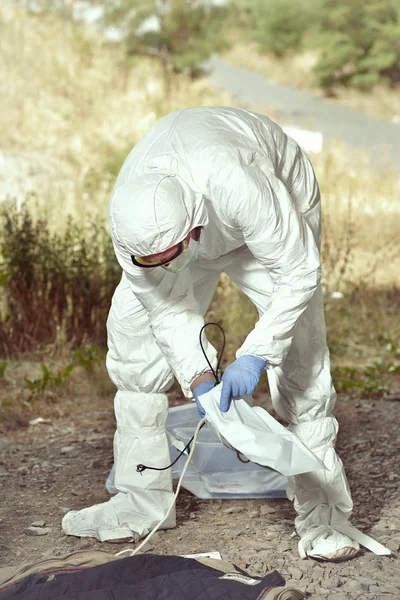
[360, 211]
[53, 282]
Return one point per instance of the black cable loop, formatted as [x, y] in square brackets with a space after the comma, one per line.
[140, 468]
[221, 354]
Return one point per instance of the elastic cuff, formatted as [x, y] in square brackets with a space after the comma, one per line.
[187, 391]
[240, 354]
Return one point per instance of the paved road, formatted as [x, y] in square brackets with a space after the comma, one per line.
[297, 107]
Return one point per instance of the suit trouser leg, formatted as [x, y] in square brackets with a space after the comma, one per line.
[142, 376]
[303, 395]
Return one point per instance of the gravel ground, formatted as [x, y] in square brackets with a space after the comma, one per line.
[47, 469]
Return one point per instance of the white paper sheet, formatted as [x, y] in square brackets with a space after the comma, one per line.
[258, 436]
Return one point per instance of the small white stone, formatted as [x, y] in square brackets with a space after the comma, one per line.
[39, 523]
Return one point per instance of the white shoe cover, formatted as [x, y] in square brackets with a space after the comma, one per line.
[111, 521]
[99, 521]
[324, 543]
[143, 498]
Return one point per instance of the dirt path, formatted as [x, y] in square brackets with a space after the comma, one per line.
[47, 469]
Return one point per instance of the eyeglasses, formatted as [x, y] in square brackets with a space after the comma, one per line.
[148, 263]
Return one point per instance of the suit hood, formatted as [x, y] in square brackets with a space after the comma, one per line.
[153, 212]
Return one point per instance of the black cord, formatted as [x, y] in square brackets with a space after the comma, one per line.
[221, 354]
[140, 468]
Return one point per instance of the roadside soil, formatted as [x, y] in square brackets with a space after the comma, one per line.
[49, 468]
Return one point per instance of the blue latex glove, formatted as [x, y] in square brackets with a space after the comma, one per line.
[199, 390]
[240, 377]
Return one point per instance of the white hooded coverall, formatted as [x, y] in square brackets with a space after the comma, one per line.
[254, 193]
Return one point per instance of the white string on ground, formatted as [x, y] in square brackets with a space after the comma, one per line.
[178, 487]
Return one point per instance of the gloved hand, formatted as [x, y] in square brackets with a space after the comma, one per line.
[199, 390]
[240, 377]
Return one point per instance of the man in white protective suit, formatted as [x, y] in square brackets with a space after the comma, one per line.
[207, 190]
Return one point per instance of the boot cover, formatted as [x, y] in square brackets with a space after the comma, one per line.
[117, 519]
[143, 498]
[322, 499]
[324, 543]
[323, 503]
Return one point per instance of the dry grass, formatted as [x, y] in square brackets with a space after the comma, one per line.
[381, 102]
[66, 95]
[18, 405]
[361, 239]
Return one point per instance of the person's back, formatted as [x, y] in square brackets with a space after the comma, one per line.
[206, 137]
[210, 148]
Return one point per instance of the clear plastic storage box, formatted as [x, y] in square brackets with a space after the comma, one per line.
[215, 471]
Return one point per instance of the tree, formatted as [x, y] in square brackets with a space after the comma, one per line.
[180, 34]
[279, 26]
[361, 43]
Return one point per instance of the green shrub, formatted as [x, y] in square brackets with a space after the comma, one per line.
[360, 43]
[370, 380]
[88, 357]
[49, 379]
[279, 26]
[180, 34]
[53, 284]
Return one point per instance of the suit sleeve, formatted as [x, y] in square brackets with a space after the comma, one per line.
[277, 235]
[174, 317]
